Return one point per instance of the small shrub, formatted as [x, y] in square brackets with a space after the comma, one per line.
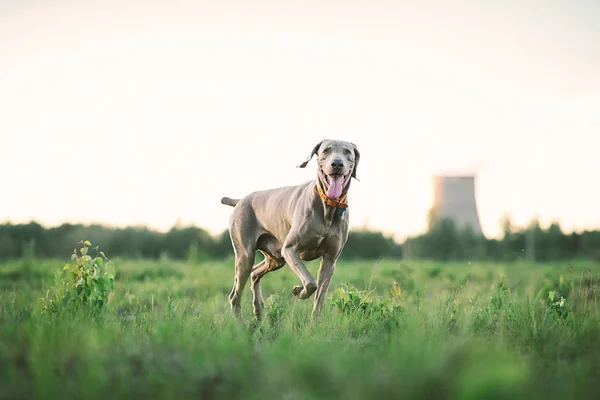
[500, 298]
[559, 285]
[560, 307]
[433, 272]
[85, 283]
[350, 300]
[499, 306]
[275, 310]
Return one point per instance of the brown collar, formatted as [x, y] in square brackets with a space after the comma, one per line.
[331, 202]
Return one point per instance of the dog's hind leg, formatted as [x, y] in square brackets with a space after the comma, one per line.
[242, 230]
[257, 298]
[271, 249]
[244, 259]
[269, 264]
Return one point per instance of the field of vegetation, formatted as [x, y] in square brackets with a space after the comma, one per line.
[390, 329]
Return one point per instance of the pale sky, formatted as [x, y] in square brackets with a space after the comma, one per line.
[145, 112]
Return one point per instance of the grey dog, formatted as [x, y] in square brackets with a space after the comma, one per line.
[293, 224]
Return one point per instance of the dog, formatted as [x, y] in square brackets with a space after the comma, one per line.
[293, 224]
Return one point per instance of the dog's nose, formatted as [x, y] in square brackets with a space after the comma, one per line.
[337, 164]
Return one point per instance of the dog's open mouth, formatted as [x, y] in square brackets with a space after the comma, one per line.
[335, 184]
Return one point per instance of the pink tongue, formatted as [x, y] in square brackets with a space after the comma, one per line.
[335, 187]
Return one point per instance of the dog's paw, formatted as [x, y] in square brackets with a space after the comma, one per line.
[304, 293]
[297, 290]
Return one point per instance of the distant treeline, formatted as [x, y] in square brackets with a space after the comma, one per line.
[184, 243]
[442, 241]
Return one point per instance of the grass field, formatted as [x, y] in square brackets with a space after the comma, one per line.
[390, 329]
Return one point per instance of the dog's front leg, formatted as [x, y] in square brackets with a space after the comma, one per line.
[326, 271]
[309, 285]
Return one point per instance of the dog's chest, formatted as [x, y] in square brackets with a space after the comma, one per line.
[313, 247]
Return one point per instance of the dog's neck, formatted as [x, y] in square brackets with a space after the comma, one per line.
[338, 205]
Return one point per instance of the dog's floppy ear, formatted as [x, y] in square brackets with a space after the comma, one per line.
[356, 160]
[312, 153]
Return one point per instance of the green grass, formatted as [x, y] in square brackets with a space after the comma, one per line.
[442, 331]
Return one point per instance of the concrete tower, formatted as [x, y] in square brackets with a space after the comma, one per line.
[454, 198]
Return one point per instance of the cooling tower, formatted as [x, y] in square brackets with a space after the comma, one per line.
[454, 198]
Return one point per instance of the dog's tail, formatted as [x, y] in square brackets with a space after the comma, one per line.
[229, 202]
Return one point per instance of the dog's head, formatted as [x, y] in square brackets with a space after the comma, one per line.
[338, 161]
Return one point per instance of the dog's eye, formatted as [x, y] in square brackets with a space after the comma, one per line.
[326, 150]
[347, 152]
